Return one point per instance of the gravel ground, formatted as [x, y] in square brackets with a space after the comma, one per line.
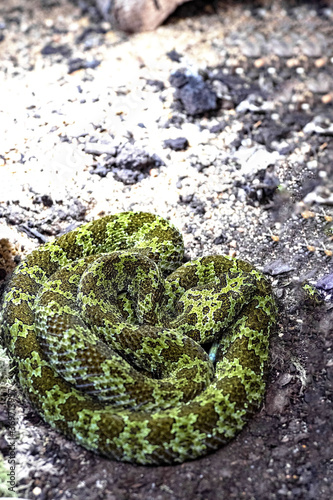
[220, 120]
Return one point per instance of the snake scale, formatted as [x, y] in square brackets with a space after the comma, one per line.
[131, 353]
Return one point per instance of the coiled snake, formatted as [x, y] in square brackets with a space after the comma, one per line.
[106, 326]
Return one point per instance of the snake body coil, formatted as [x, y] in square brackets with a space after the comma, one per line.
[106, 326]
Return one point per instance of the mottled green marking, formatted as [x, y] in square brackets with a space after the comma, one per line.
[108, 343]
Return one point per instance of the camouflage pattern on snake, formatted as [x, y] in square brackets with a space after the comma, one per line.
[106, 327]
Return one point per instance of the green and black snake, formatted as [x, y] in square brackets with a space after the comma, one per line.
[129, 352]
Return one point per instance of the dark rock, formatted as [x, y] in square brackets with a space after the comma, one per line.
[216, 129]
[87, 32]
[277, 267]
[195, 95]
[79, 63]
[239, 88]
[134, 158]
[269, 132]
[50, 49]
[325, 283]
[77, 210]
[158, 84]
[128, 176]
[129, 163]
[178, 79]
[174, 55]
[101, 170]
[179, 144]
[194, 203]
[47, 200]
[219, 240]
